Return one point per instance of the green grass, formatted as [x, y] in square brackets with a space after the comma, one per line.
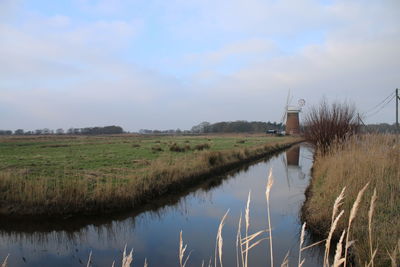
[64, 174]
[52, 154]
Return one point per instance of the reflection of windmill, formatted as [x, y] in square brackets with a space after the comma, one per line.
[291, 116]
[292, 167]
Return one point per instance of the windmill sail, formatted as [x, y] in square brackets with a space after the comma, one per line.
[286, 108]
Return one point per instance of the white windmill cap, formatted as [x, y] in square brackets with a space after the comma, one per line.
[293, 109]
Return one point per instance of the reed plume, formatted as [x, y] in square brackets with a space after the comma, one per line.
[182, 249]
[270, 182]
[303, 229]
[370, 214]
[353, 214]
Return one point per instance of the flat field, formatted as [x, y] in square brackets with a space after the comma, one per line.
[50, 155]
[64, 174]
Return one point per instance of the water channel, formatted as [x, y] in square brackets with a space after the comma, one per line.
[153, 231]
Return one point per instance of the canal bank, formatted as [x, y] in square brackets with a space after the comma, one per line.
[369, 159]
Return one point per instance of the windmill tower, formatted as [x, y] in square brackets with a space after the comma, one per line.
[291, 116]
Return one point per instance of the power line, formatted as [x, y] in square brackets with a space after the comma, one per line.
[377, 105]
[383, 105]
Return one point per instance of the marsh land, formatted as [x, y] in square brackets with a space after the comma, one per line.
[46, 175]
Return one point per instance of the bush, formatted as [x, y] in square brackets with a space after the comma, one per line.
[156, 149]
[327, 123]
[202, 146]
[215, 158]
[176, 148]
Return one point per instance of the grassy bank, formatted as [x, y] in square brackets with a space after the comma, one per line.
[75, 174]
[374, 159]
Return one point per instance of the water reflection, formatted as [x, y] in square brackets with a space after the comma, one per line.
[292, 162]
[153, 230]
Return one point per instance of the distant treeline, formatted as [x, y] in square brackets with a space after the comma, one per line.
[222, 127]
[84, 131]
[204, 127]
[379, 128]
[170, 131]
[236, 127]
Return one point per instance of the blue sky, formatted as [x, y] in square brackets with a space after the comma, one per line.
[172, 64]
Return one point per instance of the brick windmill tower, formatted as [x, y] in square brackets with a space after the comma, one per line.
[291, 116]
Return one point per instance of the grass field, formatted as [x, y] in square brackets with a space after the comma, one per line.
[64, 174]
[372, 159]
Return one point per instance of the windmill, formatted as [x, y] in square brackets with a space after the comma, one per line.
[291, 116]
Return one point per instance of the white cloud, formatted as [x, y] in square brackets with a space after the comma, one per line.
[204, 18]
[237, 50]
[54, 48]
[59, 21]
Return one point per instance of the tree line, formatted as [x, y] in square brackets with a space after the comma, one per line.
[379, 128]
[204, 127]
[71, 131]
[222, 127]
[236, 127]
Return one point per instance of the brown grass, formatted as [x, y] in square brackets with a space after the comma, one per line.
[374, 159]
[22, 194]
[177, 148]
[202, 146]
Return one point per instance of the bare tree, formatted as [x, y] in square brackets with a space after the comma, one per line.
[327, 123]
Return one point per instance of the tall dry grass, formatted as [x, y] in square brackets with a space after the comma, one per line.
[351, 165]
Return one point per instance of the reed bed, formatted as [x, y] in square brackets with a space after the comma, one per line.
[372, 159]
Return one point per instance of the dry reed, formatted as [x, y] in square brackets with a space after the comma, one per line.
[182, 248]
[303, 230]
[4, 264]
[127, 258]
[370, 215]
[373, 158]
[285, 262]
[338, 260]
[270, 182]
[247, 223]
[329, 239]
[219, 242]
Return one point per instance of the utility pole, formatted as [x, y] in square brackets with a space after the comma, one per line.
[397, 110]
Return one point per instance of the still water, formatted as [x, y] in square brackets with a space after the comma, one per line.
[153, 231]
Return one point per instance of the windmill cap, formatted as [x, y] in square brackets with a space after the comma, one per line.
[293, 109]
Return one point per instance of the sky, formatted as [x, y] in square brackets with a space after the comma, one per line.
[157, 64]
